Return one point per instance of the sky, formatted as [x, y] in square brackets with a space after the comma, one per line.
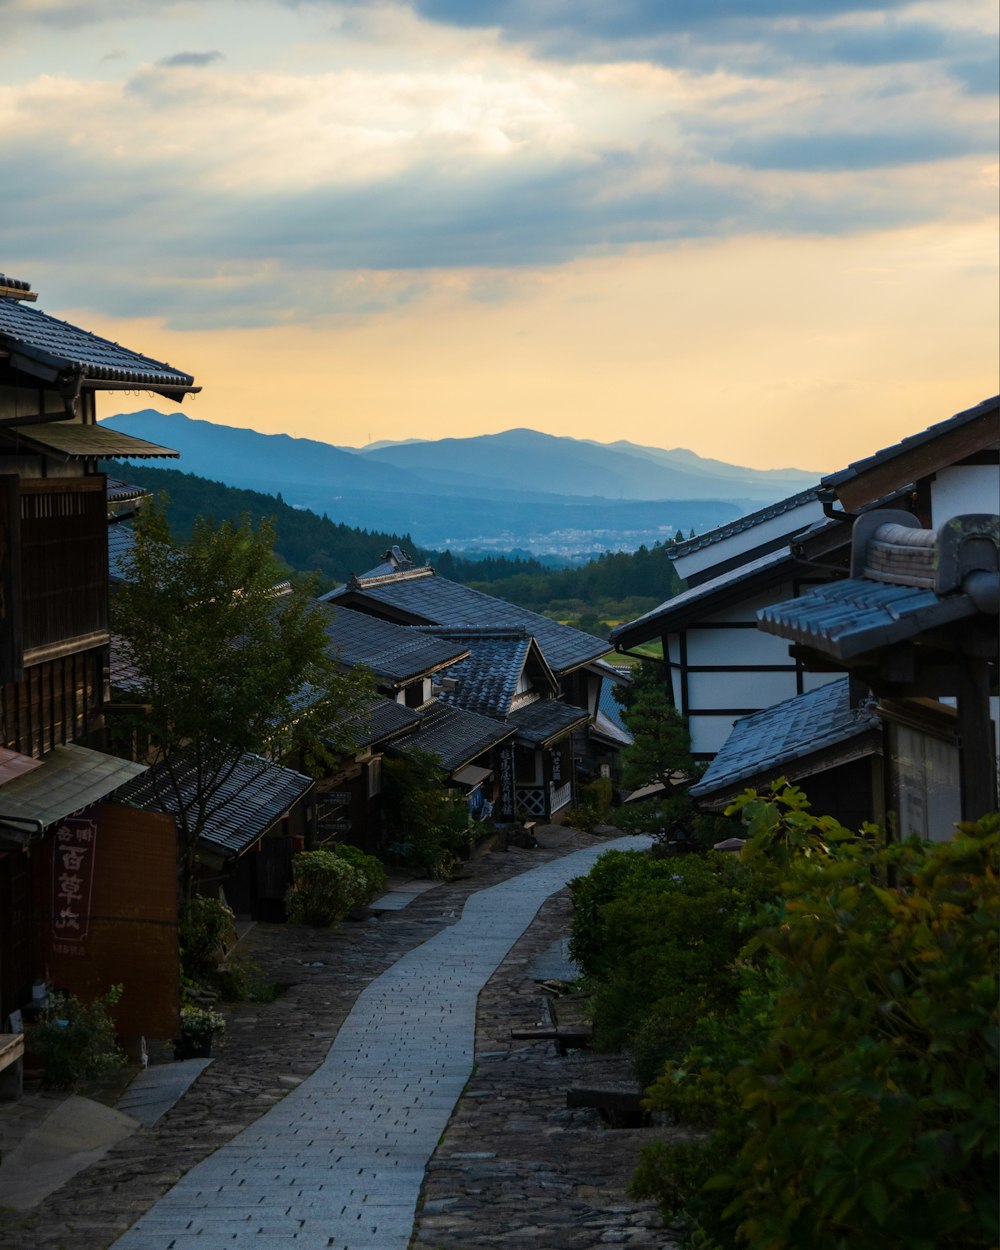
[764, 230]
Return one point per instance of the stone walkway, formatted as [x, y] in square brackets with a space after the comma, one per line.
[338, 1164]
[562, 1172]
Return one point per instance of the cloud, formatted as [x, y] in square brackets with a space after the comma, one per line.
[846, 150]
[195, 60]
[260, 196]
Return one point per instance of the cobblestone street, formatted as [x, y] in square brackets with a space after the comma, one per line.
[514, 1168]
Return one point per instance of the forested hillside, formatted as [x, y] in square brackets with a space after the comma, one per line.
[305, 542]
[617, 586]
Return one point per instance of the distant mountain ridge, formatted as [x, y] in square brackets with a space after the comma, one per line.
[490, 491]
[517, 460]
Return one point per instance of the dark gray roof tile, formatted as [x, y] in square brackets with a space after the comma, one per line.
[752, 519]
[382, 720]
[778, 740]
[394, 653]
[58, 345]
[540, 722]
[456, 736]
[988, 409]
[850, 618]
[254, 796]
[422, 597]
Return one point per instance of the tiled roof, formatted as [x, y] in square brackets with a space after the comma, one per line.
[693, 605]
[741, 524]
[121, 541]
[76, 441]
[45, 341]
[609, 707]
[252, 798]
[849, 618]
[422, 597]
[394, 653]
[120, 491]
[455, 736]
[987, 410]
[487, 680]
[781, 739]
[538, 723]
[605, 729]
[381, 720]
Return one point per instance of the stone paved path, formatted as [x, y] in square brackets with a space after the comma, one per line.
[338, 1163]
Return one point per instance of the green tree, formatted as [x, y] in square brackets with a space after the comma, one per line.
[662, 747]
[225, 665]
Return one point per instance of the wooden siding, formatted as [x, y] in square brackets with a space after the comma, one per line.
[57, 702]
[64, 564]
[131, 932]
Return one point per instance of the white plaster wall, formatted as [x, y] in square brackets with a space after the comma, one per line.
[708, 733]
[736, 646]
[739, 690]
[963, 489]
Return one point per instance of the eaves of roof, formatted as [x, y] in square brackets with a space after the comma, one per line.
[918, 455]
[748, 522]
[692, 606]
[15, 288]
[51, 349]
[455, 736]
[848, 619]
[69, 778]
[72, 440]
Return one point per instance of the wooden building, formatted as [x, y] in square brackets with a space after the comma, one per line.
[55, 773]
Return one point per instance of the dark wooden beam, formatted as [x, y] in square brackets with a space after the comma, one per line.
[978, 776]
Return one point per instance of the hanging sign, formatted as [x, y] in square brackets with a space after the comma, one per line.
[75, 847]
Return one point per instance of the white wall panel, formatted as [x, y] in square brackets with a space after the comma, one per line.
[739, 690]
[736, 646]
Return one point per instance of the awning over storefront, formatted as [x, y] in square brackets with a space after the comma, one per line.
[76, 441]
[472, 776]
[69, 778]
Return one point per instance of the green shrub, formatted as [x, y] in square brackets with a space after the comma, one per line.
[594, 804]
[369, 866]
[327, 887]
[429, 825]
[850, 1086]
[589, 937]
[874, 1100]
[207, 934]
[659, 940]
[242, 981]
[76, 1040]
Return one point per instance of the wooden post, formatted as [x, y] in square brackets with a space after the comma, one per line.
[977, 759]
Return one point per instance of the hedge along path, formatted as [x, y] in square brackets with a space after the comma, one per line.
[338, 1164]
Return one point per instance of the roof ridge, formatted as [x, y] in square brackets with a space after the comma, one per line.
[748, 521]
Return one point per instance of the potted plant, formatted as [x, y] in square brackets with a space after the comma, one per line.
[198, 1026]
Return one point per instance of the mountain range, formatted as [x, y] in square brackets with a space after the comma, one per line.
[517, 488]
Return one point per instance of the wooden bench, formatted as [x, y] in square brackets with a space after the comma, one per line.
[11, 1066]
[567, 1038]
